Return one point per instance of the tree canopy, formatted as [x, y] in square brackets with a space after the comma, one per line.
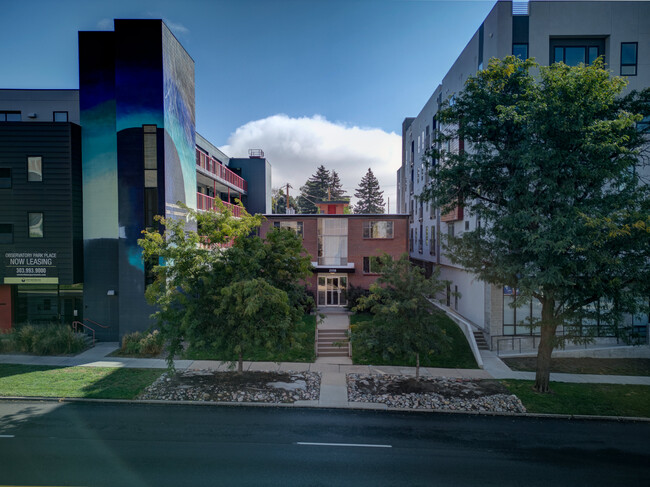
[206, 288]
[402, 323]
[370, 197]
[551, 171]
[321, 186]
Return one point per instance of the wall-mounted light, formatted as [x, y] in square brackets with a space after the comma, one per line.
[110, 292]
[31, 115]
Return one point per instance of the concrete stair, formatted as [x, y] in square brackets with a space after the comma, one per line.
[481, 343]
[333, 343]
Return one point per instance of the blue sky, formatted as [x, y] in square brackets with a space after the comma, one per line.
[307, 72]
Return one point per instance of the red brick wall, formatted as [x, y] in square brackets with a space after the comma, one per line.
[358, 247]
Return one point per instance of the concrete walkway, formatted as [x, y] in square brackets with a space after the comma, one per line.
[333, 370]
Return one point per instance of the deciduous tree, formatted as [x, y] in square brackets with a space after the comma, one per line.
[551, 164]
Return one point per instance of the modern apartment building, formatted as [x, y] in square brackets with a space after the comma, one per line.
[549, 31]
[343, 248]
[83, 172]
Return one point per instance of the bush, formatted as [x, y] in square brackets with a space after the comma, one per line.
[354, 293]
[138, 343]
[50, 339]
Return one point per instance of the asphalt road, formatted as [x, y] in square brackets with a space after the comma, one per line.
[45, 443]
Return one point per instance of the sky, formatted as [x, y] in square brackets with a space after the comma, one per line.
[310, 82]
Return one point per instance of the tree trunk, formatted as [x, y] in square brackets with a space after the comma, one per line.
[417, 366]
[546, 346]
[240, 364]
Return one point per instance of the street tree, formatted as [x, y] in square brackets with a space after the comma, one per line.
[551, 166]
[403, 323]
[195, 266]
[370, 197]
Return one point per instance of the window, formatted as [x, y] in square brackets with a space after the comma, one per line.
[60, 116]
[35, 168]
[377, 229]
[450, 230]
[574, 51]
[150, 156]
[6, 233]
[5, 177]
[332, 241]
[371, 265]
[297, 227]
[520, 51]
[456, 297]
[466, 225]
[432, 242]
[35, 225]
[629, 58]
[10, 117]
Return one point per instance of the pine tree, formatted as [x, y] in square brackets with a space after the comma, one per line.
[336, 188]
[371, 199]
[315, 189]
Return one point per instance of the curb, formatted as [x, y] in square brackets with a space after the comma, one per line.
[361, 406]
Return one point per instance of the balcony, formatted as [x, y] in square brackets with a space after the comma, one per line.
[221, 172]
[205, 202]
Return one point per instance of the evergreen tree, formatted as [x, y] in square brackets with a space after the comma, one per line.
[371, 199]
[336, 188]
[315, 189]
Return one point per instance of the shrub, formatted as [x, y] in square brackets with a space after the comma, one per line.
[52, 339]
[138, 343]
[354, 293]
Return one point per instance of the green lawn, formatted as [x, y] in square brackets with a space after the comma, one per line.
[584, 399]
[307, 329]
[89, 382]
[459, 356]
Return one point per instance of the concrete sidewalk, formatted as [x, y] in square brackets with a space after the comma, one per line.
[333, 393]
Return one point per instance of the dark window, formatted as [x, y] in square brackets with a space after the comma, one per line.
[520, 51]
[6, 233]
[35, 225]
[575, 51]
[481, 32]
[35, 168]
[150, 206]
[450, 229]
[371, 265]
[60, 116]
[150, 156]
[10, 117]
[5, 177]
[467, 225]
[448, 295]
[297, 227]
[629, 58]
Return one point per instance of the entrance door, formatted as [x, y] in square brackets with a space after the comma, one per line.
[332, 290]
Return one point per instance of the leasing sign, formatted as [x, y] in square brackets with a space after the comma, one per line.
[31, 268]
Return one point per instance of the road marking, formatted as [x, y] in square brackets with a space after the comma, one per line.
[7, 436]
[343, 444]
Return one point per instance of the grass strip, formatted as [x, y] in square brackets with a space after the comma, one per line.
[585, 365]
[306, 329]
[88, 382]
[584, 399]
[458, 356]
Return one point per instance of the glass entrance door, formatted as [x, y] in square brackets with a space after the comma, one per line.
[332, 290]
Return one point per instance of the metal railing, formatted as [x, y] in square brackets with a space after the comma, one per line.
[75, 328]
[205, 202]
[214, 166]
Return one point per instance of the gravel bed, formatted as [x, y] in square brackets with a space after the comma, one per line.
[208, 385]
[440, 393]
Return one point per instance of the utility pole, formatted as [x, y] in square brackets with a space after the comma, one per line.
[287, 196]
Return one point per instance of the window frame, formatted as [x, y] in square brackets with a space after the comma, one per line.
[11, 234]
[54, 114]
[7, 178]
[29, 225]
[520, 44]
[368, 262]
[299, 230]
[5, 113]
[29, 180]
[636, 58]
[367, 229]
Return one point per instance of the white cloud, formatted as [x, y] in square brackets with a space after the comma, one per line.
[175, 27]
[295, 147]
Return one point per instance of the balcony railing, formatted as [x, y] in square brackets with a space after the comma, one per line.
[205, 202]
[215, 167]
[333, 261]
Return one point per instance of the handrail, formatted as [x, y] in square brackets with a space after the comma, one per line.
[214, 166]
[205, 202]
[95, 323]
[74, 327]
[512, 338]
